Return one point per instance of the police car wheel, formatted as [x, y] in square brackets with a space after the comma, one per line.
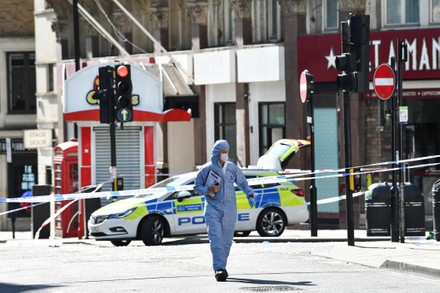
[152, 230]
[120, 242]
[271, 223]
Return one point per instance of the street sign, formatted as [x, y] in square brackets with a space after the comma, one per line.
[37, 138]
[305, 85]
[384, 81]
[124, 115]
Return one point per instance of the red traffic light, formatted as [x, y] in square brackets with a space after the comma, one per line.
[122, 71]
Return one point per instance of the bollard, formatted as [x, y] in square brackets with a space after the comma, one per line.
[91, 205]
[40, 213]
[436, 209]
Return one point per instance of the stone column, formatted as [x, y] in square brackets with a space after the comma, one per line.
[159, 14]
[242, 36]
[159, 17]
[199, 40]
[293, 23]
[199, 28]
[59, 26]
[123, 25]
[243, 22]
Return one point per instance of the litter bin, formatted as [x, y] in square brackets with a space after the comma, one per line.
[436, 209]
[414, 211]
[377, 209]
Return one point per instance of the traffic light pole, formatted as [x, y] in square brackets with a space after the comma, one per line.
[401, 57]
[348, 191]
[394, 191]
[313, 191]
[76, 44]
[113, 148]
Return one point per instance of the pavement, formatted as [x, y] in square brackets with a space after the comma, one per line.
[417, 255]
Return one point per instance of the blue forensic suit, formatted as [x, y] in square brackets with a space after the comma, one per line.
[221, 211]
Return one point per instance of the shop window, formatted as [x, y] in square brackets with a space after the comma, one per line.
[331, 18]
[27, 178]
[21, 83]
[271, 123]
[402, 12]
[22, 176]
[225, 126]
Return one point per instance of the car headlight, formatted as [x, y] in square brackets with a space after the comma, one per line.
[98, 219]
[122, 214]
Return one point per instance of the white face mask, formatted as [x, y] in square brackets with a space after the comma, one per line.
[224, 157]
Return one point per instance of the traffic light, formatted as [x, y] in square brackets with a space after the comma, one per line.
[355, 58]
[105, 94]
[123, 109]
[360, 38]
[347, 80]
[346, 62]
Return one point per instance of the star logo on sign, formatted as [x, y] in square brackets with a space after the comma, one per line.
[331, 59]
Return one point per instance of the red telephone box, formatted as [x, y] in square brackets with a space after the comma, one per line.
[66, 181]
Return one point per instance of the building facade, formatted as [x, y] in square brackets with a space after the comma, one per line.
[244, 59]
[18, 106]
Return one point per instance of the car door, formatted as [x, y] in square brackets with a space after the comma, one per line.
[247, 216]
[189, 213]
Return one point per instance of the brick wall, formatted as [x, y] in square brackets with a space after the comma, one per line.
[17, 18]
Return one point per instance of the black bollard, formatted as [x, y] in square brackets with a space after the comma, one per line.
[436, 209]
[40, 213]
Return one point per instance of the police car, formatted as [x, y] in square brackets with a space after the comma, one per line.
[152, 216]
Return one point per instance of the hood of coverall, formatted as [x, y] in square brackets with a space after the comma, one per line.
[218, 146]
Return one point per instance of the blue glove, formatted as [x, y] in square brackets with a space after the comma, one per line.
[251, 200]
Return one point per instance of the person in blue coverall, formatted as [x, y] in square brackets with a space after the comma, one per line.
[220, 204]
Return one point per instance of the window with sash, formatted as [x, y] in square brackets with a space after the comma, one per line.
[435, 11]
[402, 12]
[272, 124]
[225, 126]
[331, 18]
[21, 83]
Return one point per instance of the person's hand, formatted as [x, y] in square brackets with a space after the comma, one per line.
[251, 199]
[214, 187]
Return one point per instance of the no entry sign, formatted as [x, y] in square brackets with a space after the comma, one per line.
[305, 85]
[384, 81]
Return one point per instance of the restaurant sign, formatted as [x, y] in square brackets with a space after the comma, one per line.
[317, 53]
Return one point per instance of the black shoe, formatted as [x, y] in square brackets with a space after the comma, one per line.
[221, 275]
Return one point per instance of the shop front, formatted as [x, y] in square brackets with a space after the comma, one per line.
[135, 141]
[371, 117]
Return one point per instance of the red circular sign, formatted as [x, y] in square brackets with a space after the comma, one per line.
[303, 86]
[384, 81]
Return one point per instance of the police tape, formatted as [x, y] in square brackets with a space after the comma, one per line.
[336, 198]
[298, 173]
[167, 189]
[52, 217]
[48, 220]
[22, 208]
[384, 170]
[359, 167]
